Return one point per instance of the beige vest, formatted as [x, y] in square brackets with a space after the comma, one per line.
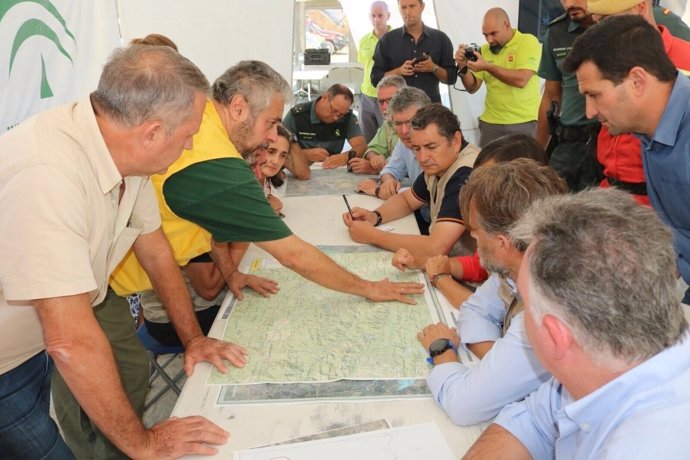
[513, 303]
[437, 185]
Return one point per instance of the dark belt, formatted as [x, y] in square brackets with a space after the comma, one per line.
[577, 133]
[635, 188]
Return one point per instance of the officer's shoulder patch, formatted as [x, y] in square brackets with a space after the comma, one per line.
[300, 108]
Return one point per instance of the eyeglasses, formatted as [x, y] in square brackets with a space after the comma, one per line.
[400, 124]
[384, 101]
[337, 114]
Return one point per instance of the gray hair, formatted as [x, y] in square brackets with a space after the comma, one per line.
[142, 82]
[605, 266]
[256, 81]
[408, 97]
[392, 80]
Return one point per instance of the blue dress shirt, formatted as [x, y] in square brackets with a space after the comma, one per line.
[644, 413]
[507, 373]
[666, 159]
[402, 163]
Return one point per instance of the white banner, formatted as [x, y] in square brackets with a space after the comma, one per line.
[52, 53]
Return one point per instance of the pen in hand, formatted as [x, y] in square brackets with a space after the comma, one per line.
[349, 209]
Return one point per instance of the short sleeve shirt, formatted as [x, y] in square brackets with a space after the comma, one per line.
[450, 206]
[312, 132]
[506, 104]
[63, 227]
[223, 197]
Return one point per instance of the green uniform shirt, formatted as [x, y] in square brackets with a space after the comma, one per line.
[312, 132]
[506, 104]
[558, 42]
[224, 197]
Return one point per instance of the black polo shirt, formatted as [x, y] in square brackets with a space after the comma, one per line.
[397, 46]
[312, 132]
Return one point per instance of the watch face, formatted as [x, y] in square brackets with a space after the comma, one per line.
[438, 346]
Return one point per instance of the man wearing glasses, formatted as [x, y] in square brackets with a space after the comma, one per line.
[322, 126]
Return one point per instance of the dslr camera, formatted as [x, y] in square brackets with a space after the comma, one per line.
[470, 50]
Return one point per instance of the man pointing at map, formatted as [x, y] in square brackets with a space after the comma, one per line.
[210, 192]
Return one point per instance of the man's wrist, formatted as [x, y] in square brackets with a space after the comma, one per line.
[436, 277]
[379, 218]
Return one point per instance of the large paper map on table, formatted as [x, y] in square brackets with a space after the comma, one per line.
[307, 333]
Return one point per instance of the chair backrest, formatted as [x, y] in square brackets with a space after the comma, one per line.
[349, 76]
[153, 345]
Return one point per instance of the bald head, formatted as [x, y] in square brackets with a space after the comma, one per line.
[496, 29]
[497, 14]
[378, 5]
[379, 16]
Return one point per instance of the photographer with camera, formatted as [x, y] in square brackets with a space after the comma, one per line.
[508, 60]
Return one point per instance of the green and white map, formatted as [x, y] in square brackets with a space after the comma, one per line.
[308, 334]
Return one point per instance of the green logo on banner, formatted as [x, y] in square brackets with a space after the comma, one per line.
[32, 27]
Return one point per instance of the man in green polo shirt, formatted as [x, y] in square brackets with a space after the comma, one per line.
[507, 63]
[212, 187]
[370, 117]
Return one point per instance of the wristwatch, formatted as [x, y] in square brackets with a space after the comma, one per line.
[438, 347]
[293, 138]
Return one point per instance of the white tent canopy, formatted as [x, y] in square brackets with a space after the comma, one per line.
[61, 60]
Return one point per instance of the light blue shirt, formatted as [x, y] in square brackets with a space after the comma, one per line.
[509, 371]
[644, 413]
[666, 160]
[402, 163]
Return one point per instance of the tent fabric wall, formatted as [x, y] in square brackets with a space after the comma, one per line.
[216, 34]
[52, 53]
[57, 48]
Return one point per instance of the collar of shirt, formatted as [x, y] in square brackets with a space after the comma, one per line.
[372, 34]
[669, 125]
[98, 155]
[425, 30]
[572, 25]
[629, 389]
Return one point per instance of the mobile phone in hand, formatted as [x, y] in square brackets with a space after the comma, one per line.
[421, 58]
[350, 155]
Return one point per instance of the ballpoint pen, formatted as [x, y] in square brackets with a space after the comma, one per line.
[349, 209]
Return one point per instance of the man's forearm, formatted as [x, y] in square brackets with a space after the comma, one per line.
[297, 163]
[308, 261]
[470, 82]
[418, 245]
[518, 78]
[441, 74]
[156, 257]
[84, 358]
[497, 443]
[172, 290]
[222, 257]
